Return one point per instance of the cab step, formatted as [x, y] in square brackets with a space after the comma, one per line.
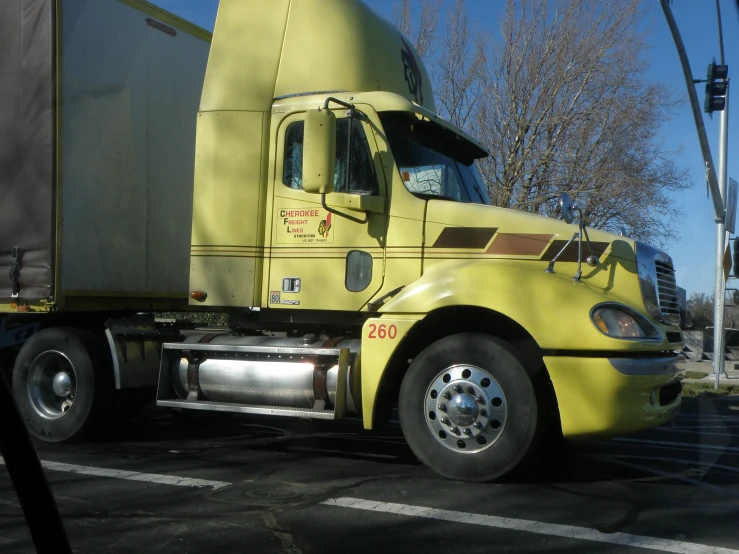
[243, 409]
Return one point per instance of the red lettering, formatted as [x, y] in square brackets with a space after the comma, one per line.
[382, 331]
[298, 213]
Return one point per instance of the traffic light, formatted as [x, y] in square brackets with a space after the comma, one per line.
[715, 88]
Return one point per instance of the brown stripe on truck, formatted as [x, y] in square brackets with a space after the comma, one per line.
[570, 255]
[520, 244]
[465, 237]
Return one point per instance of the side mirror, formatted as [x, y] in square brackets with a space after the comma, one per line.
[567, 208]
[319, 151]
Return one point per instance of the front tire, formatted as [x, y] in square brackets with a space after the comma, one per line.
[61, 384]
[468, 408]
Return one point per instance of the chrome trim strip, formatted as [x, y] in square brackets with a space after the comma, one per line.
[231, 348]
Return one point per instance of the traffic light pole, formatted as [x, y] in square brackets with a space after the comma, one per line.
[718, 205]
[719, 362]
[715, 79]
[722, 242]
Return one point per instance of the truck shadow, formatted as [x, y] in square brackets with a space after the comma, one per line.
[687, 455]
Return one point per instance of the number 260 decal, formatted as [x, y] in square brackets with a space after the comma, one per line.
[382, 331]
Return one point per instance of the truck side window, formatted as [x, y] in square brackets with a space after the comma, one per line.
[362, 176]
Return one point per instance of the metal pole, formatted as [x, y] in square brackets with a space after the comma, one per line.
[720, 33]
[718, 205]
[721, 243]
[719, 362]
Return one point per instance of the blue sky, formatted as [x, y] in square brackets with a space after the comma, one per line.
[693, 253]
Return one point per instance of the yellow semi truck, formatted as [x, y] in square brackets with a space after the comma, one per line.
[341, 224]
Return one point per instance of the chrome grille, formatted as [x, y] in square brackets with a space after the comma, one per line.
[667, 287]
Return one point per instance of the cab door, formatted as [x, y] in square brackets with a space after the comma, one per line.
[323, 259]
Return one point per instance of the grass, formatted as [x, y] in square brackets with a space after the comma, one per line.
[706, 389]
[695, 374]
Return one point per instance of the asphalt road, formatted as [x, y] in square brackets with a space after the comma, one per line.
[229, 484]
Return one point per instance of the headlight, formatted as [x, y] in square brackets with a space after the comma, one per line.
[621, 322]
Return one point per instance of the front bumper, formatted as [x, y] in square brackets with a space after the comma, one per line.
[615, 396]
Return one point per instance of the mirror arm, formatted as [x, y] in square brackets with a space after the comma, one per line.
[592, 260]
[587, 239]
[550, 268]
[337, 101]
[341, 214]
[581, 225]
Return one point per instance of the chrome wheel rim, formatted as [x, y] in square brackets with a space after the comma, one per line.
[52, 384]
[466, 409]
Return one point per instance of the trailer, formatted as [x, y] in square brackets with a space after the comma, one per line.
[97, 145]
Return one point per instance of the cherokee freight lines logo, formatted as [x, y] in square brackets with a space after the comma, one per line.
[304, 226]
[324, 228]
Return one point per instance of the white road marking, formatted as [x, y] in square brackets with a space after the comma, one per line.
[692, 446]
[131, 475]
[551, 529]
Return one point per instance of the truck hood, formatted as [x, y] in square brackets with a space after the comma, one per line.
[474, 230]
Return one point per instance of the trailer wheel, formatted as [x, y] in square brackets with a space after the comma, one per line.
[468, 408]
[56, 387]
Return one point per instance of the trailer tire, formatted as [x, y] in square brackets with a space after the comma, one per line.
[468, 408]
[59, 393]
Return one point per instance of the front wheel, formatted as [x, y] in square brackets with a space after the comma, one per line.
[468, 408]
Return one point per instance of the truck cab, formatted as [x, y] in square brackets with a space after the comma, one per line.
[331, 198]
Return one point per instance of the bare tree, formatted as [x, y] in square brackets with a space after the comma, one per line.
[423, 32]
[561, 98]
[458, 70]
[700, 310]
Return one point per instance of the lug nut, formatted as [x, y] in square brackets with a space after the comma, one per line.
[442, 407]
[470, 390]
[447, 395]
[484, 413]
[455, 430]
[457, 389]
[445, 420]
[477, 425]
[468, 432]
[480, 399]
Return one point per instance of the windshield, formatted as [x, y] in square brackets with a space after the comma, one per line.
[430, 164]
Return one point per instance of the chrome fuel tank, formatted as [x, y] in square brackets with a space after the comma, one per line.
[270, 378]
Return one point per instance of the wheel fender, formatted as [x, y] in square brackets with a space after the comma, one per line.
[381, 337]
